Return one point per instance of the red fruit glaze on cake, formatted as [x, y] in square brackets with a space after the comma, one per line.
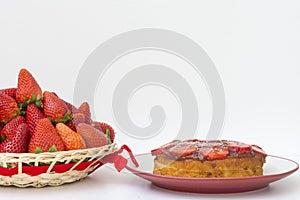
[207, 149]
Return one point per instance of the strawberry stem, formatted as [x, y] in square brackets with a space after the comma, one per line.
[53, 149]
[38, 104]
[3, 138]
[23, 106]
[38, 150]
[108, 136]
[67, 117]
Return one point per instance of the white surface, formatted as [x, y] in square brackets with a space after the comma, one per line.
[254, 44]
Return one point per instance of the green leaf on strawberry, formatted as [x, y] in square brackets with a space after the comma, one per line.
[108, 135]
[2, 138]
[67, 117]
[38, 150]
[53, 149]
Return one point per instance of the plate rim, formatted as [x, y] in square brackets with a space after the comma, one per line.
[283, 174]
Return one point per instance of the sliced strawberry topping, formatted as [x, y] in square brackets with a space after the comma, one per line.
[258, 149]
[208, 149]
[182, 150]
[162, 148]
[214, 153]
[239, 147]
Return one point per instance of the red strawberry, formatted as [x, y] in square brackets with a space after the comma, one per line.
[55, 108]
[84, 108]
[92, 136]
[10, 127]
[80, 118]
[97, 125]
[17, 142]
[71, 125]
[70, 138]
[44, 137]
[258, 149]
[182, 150]
[214, 153]
[70, 107]
[8, 108]
[105, 127]
[10, 92]
[161, 149]
[33, 115]
[238, 147]
[27, 87]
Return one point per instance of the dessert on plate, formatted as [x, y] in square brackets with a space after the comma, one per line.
[208, 159]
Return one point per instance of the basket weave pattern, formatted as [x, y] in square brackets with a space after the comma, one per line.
[50, 169]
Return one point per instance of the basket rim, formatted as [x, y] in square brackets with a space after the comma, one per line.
[50, 159]
[49, 154]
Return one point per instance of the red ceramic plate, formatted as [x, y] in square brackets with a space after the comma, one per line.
[275, 169]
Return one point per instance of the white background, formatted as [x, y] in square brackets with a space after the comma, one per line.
[255, 46]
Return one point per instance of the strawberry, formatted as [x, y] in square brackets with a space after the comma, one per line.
[8, 108]
[17, 142]
[214, 153]
[10, 92]
[55, 108]
[92, 136]
[10, 127]
[33, 115]
[71, 125]
[97, 125]
[28, 88]
[164, 147]
[182, 150]
[238, 147]
[70, 138]
[84, 108]
[258, 149]
[80, 118]
[70, 106]
[44, 137]
[106, 129]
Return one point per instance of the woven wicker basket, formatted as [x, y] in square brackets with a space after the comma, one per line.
[50, 169]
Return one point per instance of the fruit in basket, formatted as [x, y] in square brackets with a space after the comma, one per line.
[92, 136]
[71, 108]
[51, 122]
[33, 115]
[71, 125]
[17, 141]
[54, 108]
[28, 88]
[106, 128]
[84, 108]
[10, 127]
[44, 137]
[10, 92]
[70, 138]
[80, 118]
[8, 108]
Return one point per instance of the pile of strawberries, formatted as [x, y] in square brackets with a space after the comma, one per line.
[35, 121]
